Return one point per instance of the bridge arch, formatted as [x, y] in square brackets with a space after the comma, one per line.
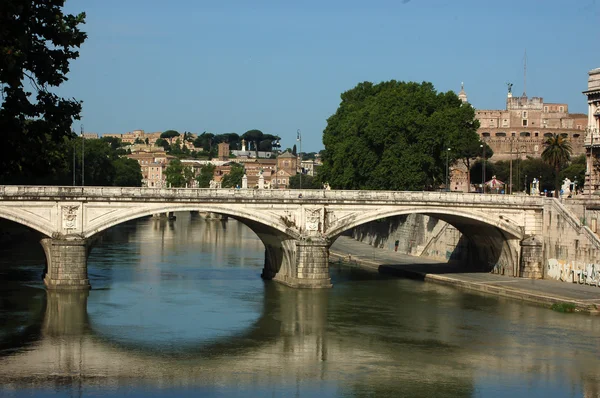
[21, 218]
[493, 242]
[266, 219]
[513, 231]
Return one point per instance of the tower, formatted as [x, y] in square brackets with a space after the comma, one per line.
[462, 95]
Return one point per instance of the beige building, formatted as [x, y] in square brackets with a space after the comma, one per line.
[592, 138]
[153, 165]
[521, 129]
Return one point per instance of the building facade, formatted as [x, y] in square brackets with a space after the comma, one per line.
[521, 129]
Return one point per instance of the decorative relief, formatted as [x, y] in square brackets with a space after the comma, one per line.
[70, 216]
[313, 219]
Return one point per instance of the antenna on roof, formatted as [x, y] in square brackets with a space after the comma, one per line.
[525, 75]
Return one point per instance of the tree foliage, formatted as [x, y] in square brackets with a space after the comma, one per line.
[205, 176]
[308, 182]
[174, 174]
[395, 135]
[254, 137]
[128, 173]
[169, 134]
[37, 42]
[234, 178]
[557, 152]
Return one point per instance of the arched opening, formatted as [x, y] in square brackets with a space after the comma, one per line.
[501, 134]
[458, 243]
[22, 297]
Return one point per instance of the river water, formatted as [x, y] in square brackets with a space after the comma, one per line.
[179, 309]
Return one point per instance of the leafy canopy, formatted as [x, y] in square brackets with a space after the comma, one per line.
[37, 43]
[557, 152]
[234, 178]
[394, 135]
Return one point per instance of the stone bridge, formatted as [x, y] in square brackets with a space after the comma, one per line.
[296, 226]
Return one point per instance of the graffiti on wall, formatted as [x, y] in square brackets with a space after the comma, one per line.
[574, 272]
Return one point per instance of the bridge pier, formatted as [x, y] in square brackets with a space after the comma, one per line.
[309, 265]
[66, 261]
[532, 258]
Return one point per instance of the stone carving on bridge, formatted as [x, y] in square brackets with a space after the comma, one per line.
[313, 219]
[70, 216]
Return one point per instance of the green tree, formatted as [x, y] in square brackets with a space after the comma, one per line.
[234, 178]
[138, 141]
[98, 158]
[557, 152]
[169, 134]
[308, 182]
[575, 171]
[204, 141]
[163, 143]
[174, 174]
[468, 148]
[254, 137]
[128, 173]
[114, 142]
[206, 174]
[37, 43]
[394, 135]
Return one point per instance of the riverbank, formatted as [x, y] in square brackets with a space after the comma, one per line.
[548, 293]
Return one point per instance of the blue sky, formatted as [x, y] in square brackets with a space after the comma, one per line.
[279, 66]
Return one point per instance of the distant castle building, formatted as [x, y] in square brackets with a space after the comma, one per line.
[521, 129]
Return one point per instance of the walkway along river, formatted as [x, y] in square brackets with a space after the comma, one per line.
[178, 309]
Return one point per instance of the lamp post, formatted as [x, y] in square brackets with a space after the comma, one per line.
[483, 169]
[525, 185]
[575, 186]
[299, 139]
[82, 158]
[447, 153]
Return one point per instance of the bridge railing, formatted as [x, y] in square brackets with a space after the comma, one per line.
[126, 193]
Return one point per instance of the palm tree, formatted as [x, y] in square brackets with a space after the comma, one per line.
[556, 153]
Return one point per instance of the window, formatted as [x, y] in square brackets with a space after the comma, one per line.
[562, 108]
[513, 134]
[564, 135]
[501, 134]
[548, 135]
[537, 134]
[524, 114]
[485, 134]
[546, 109]
[525, 134]
[524, 122]
[505, 123]
[576, 135]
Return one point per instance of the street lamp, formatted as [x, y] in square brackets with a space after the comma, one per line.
[525, 185]
[447, 153]
[483, 169]
[82, 157]
[299, 139]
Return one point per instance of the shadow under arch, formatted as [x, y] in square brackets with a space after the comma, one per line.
[492, 242]
[44, 229]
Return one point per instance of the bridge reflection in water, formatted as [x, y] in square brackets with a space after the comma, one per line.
[371, 335]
